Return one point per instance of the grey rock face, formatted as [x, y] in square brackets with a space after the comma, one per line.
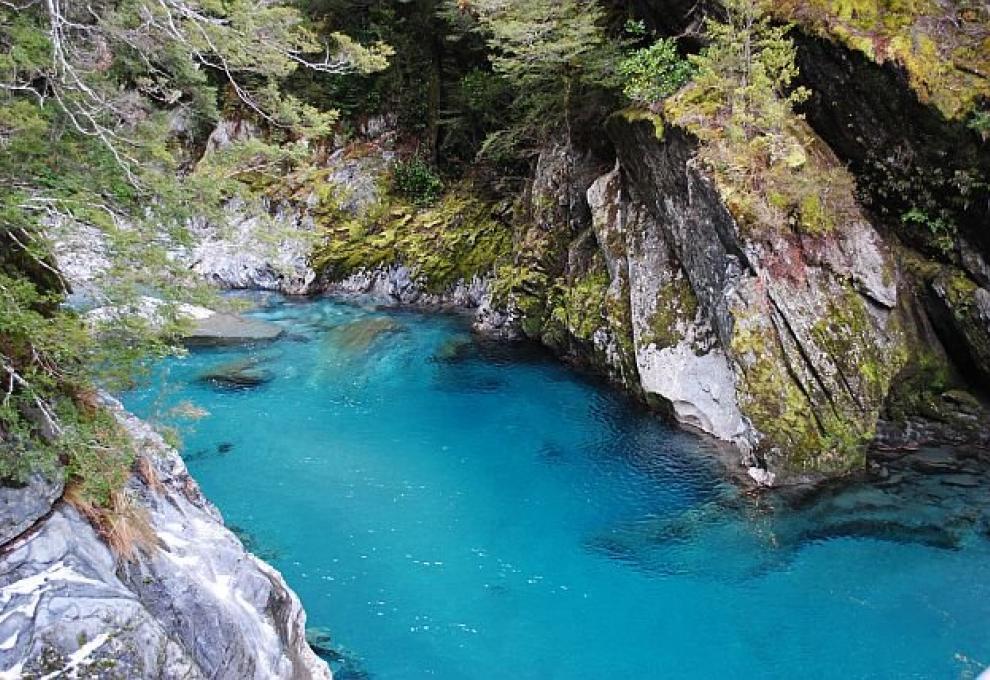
[197, 606]
[397, 285]
[256, 247]
[266, 244]
[676, 357]
[803, 330]
[21, 506]
[960, 309]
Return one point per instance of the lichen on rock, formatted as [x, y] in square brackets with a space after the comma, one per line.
[806, 321]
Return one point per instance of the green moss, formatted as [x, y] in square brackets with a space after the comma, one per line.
[846, 333]
[635, 114]
[618, 312]
[944, 59]
[778, 408]
[814, 218]
[960, 290]
[676, 306]
[457, 238]
[827, 437]
[579, 307]
[919, 386]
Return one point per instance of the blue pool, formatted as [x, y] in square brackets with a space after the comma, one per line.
[448, 508]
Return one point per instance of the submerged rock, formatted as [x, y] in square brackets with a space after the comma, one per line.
[346, 666]
[357, 336]
[241, 374]
[455, 350]
[734, 537]
[196, 606]
[230, 329]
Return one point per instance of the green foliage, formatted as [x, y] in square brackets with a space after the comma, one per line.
[552, 53]
[415, 180]
[406, 90]
[456, 239]
[100, 454]
[100, 106]
[654, 73]
[980, 121]
[771, 170]
[635, 28]
[475, 107]
[938, 230]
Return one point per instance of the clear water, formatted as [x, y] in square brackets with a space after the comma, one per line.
[454, 510]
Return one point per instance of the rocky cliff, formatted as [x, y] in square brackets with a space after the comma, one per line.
[188, 602]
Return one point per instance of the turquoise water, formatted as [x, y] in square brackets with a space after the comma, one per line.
[452, 509]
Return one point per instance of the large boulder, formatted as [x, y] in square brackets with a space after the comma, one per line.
[802, 327]
[678, 360]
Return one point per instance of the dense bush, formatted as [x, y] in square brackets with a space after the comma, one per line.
[655, 72]
[416, 180]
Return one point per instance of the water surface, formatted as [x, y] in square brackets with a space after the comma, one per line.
[449, 509]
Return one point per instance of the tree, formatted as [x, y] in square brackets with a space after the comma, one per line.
[741, 107]
[100, 103]
[653, 73]
[549, 51]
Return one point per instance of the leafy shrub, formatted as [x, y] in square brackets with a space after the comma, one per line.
[740, 104]
[941, 232]
[416, 180]
[980, 121]
[654, 73]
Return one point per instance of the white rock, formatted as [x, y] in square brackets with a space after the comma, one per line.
[197, 606]
[761, 476]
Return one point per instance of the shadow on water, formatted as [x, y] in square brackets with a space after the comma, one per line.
[219, 451]
[734, 538]
[344, 664]
[253, 545]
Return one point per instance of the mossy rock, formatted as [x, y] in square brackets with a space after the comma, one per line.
[456, 239]
[826, 427]
[944, 59]
[676, 307]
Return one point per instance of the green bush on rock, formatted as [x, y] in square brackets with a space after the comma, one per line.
[654, 73]
[415, 180]
[771, 169]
